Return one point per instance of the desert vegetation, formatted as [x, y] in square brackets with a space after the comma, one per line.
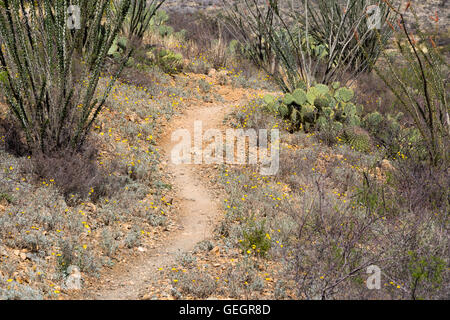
[92, 89]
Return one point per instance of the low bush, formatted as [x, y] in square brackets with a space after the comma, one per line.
[77, 174]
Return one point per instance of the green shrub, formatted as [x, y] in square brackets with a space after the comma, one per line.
[165, 31]
[255, 239]
[426, 273]
[5, 196]
[169, 61]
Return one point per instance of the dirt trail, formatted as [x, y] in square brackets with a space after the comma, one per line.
[197, 214]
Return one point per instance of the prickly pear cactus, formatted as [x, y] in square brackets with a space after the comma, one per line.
[288, 99]
[337, 126]
[373, 120]
[322, 89]
[393, 122]
[353, 120]
[295, 117]
[299, 96]
[268, 99]
[350, 115]
[349, 109]
[344, 94]
[336, 85]
[322, 122]
[283, 110]
[328, 112]
[317, 106]
[321, 102]
[308, 113]
[170, 61]
[118, 47]
[312, 95]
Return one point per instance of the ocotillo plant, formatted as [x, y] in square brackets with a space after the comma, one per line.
[310, 41]
[139, 17]
[51, 57]
[340, 25]
[423, 92]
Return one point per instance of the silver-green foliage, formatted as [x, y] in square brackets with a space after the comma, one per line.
[49, 72]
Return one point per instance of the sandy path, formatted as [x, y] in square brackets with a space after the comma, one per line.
[197, 202]
[198, 211]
